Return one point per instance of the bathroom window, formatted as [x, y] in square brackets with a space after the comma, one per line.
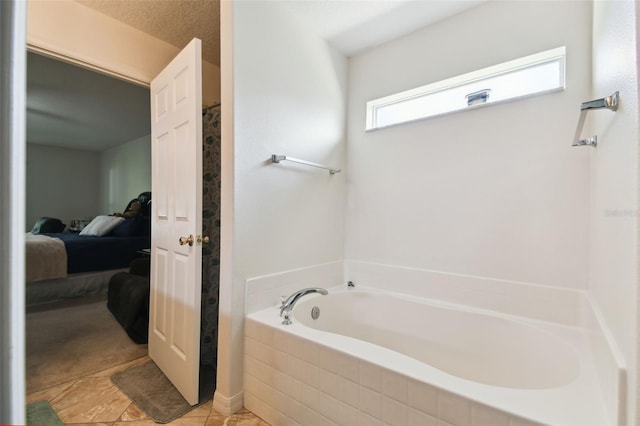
[542, 72]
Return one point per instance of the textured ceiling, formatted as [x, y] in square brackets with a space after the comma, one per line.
[174, 21]
[350, 25]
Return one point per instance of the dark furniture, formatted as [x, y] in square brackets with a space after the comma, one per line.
[128, 299]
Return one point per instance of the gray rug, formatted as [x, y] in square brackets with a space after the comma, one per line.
[73, 339]
[42, 414]
[154, 394]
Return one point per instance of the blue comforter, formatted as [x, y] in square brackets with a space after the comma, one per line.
[87, 253]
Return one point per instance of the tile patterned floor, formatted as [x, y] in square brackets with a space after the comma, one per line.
[95, 400]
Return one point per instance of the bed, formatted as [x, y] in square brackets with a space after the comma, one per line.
[87, 253]
[61, 265]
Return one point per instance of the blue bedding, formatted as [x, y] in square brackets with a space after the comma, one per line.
[87, 253]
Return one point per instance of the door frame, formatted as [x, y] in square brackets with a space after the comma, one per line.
[13, 18]
[228, 394]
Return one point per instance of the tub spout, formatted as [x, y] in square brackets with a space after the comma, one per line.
[287, 304]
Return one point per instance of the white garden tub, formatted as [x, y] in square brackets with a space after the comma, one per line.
[378, 357]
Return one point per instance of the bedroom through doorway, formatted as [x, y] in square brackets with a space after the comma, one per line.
[88, 154]
[69, 331]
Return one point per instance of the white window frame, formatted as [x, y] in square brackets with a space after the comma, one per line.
[554, 55]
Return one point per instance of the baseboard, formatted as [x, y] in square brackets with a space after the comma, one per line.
[227, 406]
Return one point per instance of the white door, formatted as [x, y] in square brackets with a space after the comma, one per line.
[176, 172]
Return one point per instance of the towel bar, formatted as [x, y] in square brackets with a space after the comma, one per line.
[278, 158]
[609, 102]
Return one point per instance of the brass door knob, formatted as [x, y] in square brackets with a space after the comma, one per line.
[203, 239]
[186, 240]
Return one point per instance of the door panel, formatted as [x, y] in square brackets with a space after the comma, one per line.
[176, 150]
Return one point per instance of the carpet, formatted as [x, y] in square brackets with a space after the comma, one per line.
[69, 340]
[42, 414]
[153, 393]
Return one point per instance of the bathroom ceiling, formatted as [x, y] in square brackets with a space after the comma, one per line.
[174, 21]
[355, 25]
[350, 25]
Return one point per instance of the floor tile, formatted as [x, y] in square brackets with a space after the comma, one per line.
[202, 410]
[91, 400]
[190, 421]
[215, 419]
[95, 424]
[111, 371]
[133, 413]
[183, 421]
[246, 419]
[49, 393]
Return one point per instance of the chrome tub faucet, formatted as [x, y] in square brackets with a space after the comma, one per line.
[288, 303]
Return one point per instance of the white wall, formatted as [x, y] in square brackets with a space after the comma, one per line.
[289, 97]
[496, 192]
[614, 207]
[125, 172]
[61, 183]
[74, 184]
[77, 33]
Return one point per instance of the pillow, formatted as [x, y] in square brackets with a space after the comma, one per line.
[128, 228]
[101, 225]
[48, 225]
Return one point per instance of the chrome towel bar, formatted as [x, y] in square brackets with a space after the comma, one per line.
[610, 103]
[278, 158]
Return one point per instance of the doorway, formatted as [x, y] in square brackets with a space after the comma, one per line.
[211, 224]
[88, 154]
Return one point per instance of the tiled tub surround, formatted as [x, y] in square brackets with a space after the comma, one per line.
[299, 375]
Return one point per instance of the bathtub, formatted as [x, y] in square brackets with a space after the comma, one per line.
[371, 357]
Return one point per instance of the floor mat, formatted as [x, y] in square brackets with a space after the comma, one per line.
[42, 414]
[154, 394]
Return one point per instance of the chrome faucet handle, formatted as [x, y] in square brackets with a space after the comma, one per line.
[283, 304]
[287, 304]
[287, 317]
